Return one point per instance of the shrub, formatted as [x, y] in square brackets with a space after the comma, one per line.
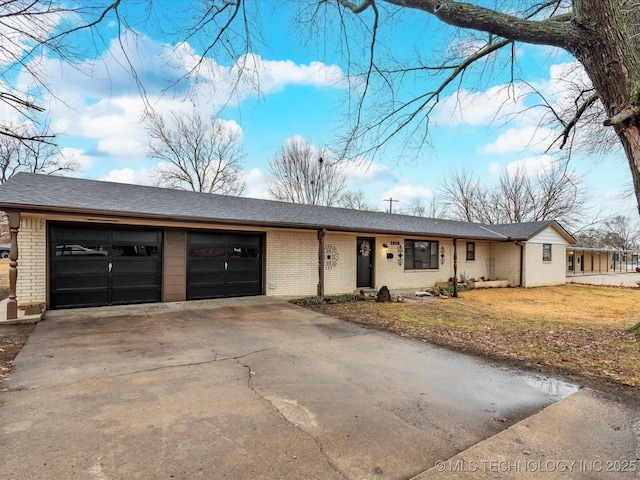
[316, 300]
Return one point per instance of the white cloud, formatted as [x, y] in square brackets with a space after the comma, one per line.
[535, 139]
[362, 173]
[481, 108]
[529, 166]
[404, 192]
[141, 176]
[255, 184]
[76, 155]
[99, 99]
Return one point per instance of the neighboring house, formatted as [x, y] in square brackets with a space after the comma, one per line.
[89, 243]
[584, 260]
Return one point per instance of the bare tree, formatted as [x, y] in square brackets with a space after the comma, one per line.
[300, 173]
[464, 195]
[621, 232]
[355, 200]
[421, 208]
[18, 155]
[551, 194]
[590, 238]
[198, 154]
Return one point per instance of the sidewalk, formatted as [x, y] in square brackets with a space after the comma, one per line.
[586, 435]
[615, 279]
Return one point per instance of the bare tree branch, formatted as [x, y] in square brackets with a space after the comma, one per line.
[302, 174]
[198, 154]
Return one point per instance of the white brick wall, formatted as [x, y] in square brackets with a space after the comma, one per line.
[504, 263]
[32, 261]
[292, 263]
[340, 278]
[474, 268]
[540, 273]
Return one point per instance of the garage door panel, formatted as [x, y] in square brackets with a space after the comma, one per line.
[140, 237]
[79, 282]
[81, 266]
[244, 289]
[202, 292]
[206, 265]
[244, 273]
[80, 298]
[132, 266]
[73, 234]
[150, 280]
[207, 238]
[134, 295]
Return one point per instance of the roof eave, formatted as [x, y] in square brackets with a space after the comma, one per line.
[98, 213]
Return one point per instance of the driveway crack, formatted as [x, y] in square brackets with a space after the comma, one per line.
[310, 420]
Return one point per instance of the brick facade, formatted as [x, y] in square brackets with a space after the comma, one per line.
[291, 262]
[32, 261]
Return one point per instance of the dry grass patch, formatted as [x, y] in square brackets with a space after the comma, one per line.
[565, 303]
[4, 273]
[575, 330]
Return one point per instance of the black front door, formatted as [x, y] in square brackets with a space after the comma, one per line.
[365, 262]
[93, 266]
[222, 264]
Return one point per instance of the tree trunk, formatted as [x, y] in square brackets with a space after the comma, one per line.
[610, 54]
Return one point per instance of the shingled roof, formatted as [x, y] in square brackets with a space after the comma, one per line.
[28, 192]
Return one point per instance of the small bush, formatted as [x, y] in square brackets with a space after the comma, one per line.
[449, 290]
[635, 330]
[316, 300]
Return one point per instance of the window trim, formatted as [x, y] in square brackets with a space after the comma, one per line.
[471, 253]
[545, 247]
[434, 251]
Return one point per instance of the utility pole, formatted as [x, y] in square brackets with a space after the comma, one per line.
[390, 200]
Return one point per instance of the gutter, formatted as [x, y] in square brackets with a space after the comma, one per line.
[521, 245]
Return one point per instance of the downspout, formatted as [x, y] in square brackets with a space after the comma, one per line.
[521, 245]
[455, 268]
[321, 233]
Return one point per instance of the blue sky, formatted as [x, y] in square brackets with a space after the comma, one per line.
[97, 107]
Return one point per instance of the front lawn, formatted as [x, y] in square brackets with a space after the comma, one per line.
[580, 331]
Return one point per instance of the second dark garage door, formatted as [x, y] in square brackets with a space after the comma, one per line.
[222, 264]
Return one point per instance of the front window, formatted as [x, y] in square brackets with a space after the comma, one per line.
[546, 252]
[420, 254]
[471, 251]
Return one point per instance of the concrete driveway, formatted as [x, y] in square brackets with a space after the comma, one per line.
[246, 388]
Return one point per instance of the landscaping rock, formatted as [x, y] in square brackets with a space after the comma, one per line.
[383, 295]
[424, 294]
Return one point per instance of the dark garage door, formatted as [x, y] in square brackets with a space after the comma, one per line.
[221, 264]
[95, 266]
